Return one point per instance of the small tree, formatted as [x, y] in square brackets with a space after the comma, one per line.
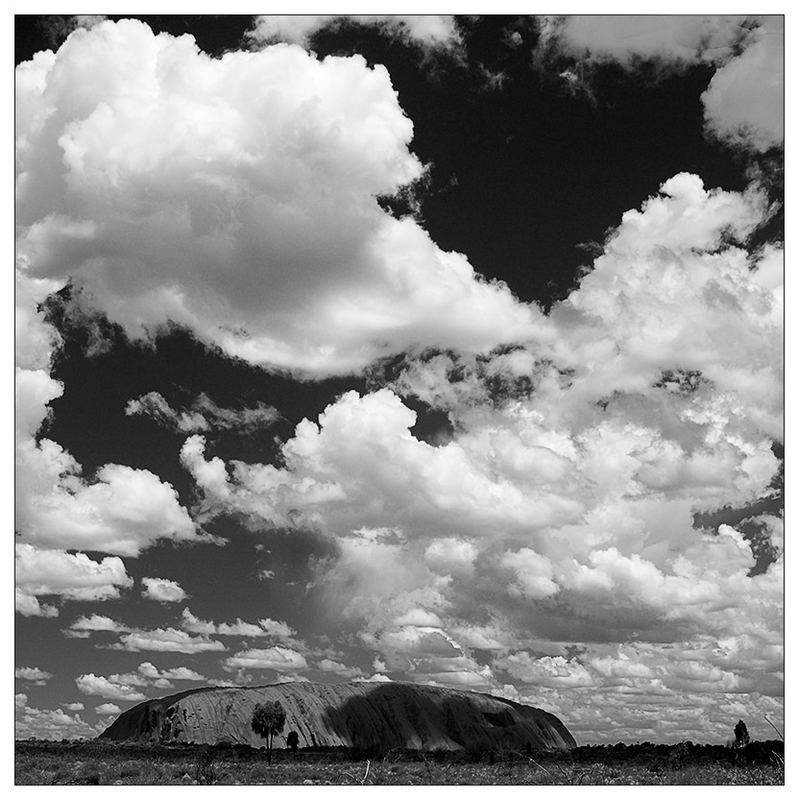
[267, 720]
[293, 741]
[741, 734]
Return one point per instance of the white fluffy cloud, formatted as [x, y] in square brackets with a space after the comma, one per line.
[337, 668]
[29, 606]
[203, 414]
[552, 671]
[121, 512]
[152, 672]
[148, 674]
[558, 512]
[654, 392]
[265, 627]
[360, 466]
[274, 627]
[223, 218]
[107, 709]
[97, 622]
[34, 389]
[166, 640]
[659, 376]
[378, 677]
[451, 555]
[34, 339]
[162, 590]
[533, 574]
[744, 101]
[73, 577]
[42, 723]
[104, 687]
[428, 29]
[32, 675]
[124, 511]
[281, 659]
[706, 684]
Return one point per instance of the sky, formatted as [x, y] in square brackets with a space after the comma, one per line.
[445, 350]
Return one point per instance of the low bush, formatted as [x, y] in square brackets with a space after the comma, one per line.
[204, 769]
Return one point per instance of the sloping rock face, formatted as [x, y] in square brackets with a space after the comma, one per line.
[389, 715]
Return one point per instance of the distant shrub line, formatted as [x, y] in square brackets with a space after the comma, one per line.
[640, 753]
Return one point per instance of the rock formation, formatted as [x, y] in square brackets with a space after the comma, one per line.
[363, 715]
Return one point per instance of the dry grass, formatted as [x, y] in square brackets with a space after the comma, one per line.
[66, 764]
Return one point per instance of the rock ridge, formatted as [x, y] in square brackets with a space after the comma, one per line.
[358, 714]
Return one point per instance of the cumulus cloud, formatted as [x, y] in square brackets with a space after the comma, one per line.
[107, 709]
[104, 687]
[744, 101]
[281, 659]
[491, 636]
[701, 681]
[56, 27]
[426, 654]
[38, 677]
[290, 678]
[553, 671]
[34, 341]
[152, 672]
[29, 606]
[317, 281]
[561, 510]
[275, 627]
[337, 668]
[533, 573]
[203, 414]
[34, 389]
[450, 555]
[124, 511]
[120, 511]
[563, 503]
[265, 627]
[678, 261]
[428, 30]
[148, 674]
[166, 640]
[52, 724]
[687, 407]
[361, 466]
[162, 590]
[377, 677]
[84, 626]
[73, 577]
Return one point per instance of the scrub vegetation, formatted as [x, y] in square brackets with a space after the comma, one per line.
[93, 762]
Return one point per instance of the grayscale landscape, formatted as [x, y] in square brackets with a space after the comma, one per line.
[399, 399]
